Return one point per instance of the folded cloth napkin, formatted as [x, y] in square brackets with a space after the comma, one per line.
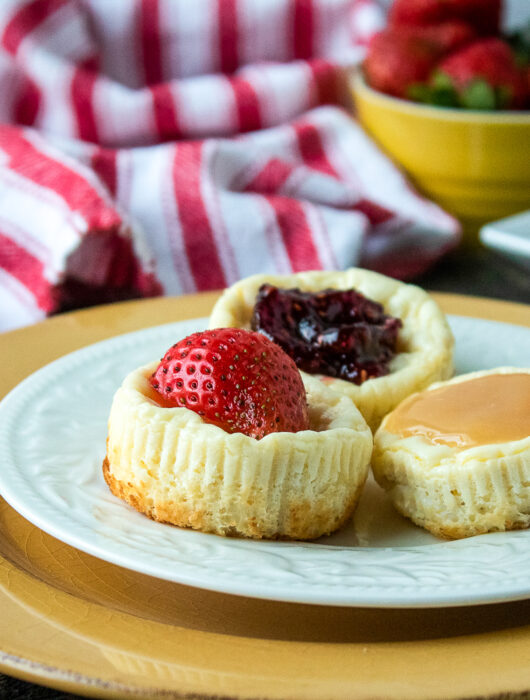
[169, 146]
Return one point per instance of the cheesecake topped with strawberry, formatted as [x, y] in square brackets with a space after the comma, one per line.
[223, 435]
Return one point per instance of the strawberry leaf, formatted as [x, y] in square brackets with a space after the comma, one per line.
[445, 97]
[440, 92]
[479, 95]
[443, 92]
[442, 81]
[420, 92]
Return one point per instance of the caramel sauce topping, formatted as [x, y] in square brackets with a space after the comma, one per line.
[488, 410]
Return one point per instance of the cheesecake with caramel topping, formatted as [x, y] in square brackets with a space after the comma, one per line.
[455, 458]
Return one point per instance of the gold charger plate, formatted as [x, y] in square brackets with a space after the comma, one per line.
[82, 625]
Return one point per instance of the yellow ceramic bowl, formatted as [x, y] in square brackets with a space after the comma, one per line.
[474, 164]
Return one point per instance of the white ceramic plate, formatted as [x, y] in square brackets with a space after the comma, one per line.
[52, 442]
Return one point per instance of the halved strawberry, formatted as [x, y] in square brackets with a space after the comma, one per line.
[236, 379]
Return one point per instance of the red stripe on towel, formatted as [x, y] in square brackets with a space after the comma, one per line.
[26, 20]
[73, 188]
[271, 177]
[150, 41]
[303, 28]
[296, 233]
[82, 91]
[197, 232]
[325, 77]
[104, 164]
[163, 97]
[228, 35]
[28, 270]
[165, 111]
[375, 213]
[27, 103]
[247, 105]
[312, 149]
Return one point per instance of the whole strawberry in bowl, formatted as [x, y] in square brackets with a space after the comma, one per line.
[449, 53]
[458, 123]
[483, 75]
[396, 62]
[483, 15]
[222, 435]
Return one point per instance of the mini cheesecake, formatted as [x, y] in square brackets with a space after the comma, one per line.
[455, 458]
[169, 464]
[424, 343]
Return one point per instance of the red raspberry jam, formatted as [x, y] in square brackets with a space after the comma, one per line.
[339, 333]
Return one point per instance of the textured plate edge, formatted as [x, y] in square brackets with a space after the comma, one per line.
[77, 683]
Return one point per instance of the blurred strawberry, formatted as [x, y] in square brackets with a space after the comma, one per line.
[484, 75]
[483, 15]
[395, 61]
[448, 36]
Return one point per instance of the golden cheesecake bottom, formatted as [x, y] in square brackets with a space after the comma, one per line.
[172, 466]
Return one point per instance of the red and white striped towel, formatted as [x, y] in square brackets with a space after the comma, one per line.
[169, 146]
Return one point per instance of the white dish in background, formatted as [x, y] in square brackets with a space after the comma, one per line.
[510, 238]
[52, 440]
